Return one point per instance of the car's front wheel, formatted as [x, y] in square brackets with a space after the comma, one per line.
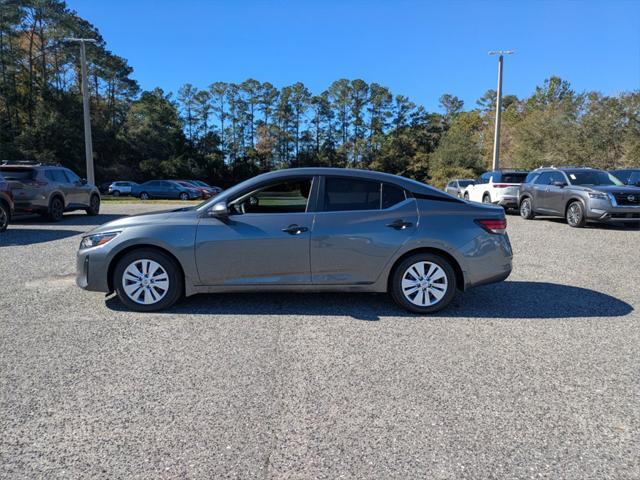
[526, 209]
[5, 216]
[94, 206]
[144, 196]
[146, 280]
[466, 196]
[575, 215]
[423, 283]
[184, 196]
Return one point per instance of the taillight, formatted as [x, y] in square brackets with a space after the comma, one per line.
[502, 185]
[493, 225]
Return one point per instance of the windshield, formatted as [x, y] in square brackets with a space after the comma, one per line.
[466, 183]
[592, 178]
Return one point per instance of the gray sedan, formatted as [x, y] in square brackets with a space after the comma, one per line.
[307, 229]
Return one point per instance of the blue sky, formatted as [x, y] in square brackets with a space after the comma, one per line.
[416, 48]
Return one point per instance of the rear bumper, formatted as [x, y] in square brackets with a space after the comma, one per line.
[508, 201]
[487, 259]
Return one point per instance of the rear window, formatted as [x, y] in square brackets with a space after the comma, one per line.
[513, 177]
[18, 173]
[466, 183]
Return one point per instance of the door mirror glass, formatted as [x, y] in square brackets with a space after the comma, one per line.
[559, 183]
[219, 210]
[83, 181]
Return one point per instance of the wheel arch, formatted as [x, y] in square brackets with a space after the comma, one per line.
[436, 251]
[575, 199]
[114, 261]
[57, 194]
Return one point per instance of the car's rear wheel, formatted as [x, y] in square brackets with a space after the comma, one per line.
[144, 196]
[146, 280]
[486, 198]
[526, 209]
[423, 283]
[5, 216]
[56, 209]
[575, 215]
[94, 206]
[116, 193]
[184, 196]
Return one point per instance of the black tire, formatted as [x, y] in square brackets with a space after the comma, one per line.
[5, 216]
[144, 196]
[526, 209]
[575, 215]
[116, 193]
[94, 206]
[176, 280]
[56, 209]
[401, 270]
[486, 198]
[184, 196]
[466, 196]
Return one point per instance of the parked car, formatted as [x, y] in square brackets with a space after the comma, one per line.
[6, 204]
[49, 190]
[456, 186]
[214, 190]
[629, 176]
[306, 229]
[205, 193]
[121, 188]
[579, 195]
[499, 187]
[168, 189]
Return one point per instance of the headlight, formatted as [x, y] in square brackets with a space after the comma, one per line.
[598, 195]
[97, 239]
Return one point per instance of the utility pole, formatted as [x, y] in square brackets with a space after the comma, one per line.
[88, 144]
[496, 136]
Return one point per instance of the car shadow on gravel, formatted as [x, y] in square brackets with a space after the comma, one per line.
[525, 300]
[16, 236]
[76, 219]
[592, 225]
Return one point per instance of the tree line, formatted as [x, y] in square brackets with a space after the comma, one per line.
[226, 132]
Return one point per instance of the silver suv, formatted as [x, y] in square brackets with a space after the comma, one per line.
[49, 190]
[579, 195]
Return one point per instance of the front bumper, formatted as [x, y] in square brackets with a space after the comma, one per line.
[604, 211]
[92, 270]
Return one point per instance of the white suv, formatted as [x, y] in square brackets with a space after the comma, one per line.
[499, 187]
[121, 188]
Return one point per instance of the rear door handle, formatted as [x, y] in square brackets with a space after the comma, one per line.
[294, 229]
[399, 224]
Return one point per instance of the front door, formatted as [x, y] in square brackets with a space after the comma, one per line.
[264, 241]
[359, 226]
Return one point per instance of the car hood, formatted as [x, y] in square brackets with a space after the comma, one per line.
[152, 218]
[622, 189]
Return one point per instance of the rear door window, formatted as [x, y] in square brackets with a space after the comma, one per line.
[59, 176]
[344, 194]
[392, 195]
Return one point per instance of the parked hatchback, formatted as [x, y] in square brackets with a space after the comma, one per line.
[579, 195]
[121, 188]
[457, 186]
[166, 189]
[309, 230]
[49, 190]
[6, 204]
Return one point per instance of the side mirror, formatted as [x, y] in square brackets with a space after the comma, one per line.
[220, 210]
[83, 181]
[559, 184]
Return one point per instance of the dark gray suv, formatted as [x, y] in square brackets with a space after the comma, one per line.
[579, 195]
[49, 190]
[307, 229]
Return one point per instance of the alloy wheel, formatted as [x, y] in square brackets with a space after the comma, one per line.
[424, 283]
[145, 281]
[574, 215]
[525, 209]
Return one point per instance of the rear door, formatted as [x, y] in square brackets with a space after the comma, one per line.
[60, 182]
[359, 225]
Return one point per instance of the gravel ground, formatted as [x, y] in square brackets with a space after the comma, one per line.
[536, 377]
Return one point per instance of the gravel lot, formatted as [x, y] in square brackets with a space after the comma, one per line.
[537, 377]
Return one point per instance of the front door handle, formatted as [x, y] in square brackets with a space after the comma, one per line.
[295, 229]
[399, 224]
